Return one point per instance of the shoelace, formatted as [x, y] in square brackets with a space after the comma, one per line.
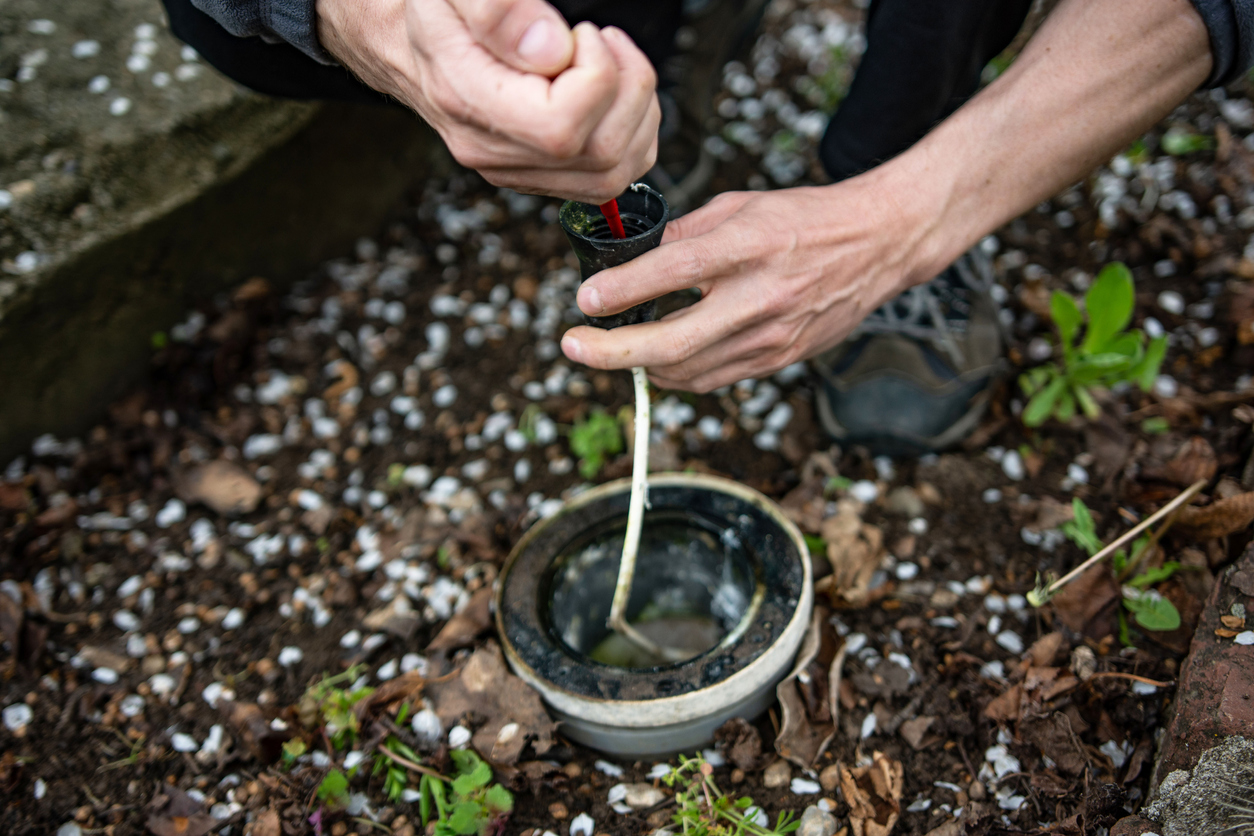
[938, 311]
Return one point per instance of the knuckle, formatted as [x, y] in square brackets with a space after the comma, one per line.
[560, 141]
[677, 348]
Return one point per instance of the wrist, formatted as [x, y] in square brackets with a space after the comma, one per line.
[362, 36]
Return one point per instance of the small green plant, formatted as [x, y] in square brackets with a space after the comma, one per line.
[333, 791]
[326, 703]
[470, 804]
[594, 440]
[1149, 608]
[703, 809]
[1178, 141]
[1107, 354]
[527, 421]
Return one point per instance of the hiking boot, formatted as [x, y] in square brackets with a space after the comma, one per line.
[916, 374]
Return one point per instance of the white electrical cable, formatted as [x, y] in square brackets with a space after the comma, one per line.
[635, 520]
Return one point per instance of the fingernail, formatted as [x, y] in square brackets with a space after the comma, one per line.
[591, 303]
[573, 349]
[539, 43]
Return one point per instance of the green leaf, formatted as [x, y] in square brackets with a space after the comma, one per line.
[1081, 530]
[334, 789]
[1146, 371]
[1152, 611]
[498, 799]
[1156, 425]
[464, 759]
[1066, 315]
[1065, 410]
[1109, 304]
[1151, 577]
[294, 748]
[424, 798]
[816, 544]
[1087, 404]
[465, 784]
[594, 440]
[466, 818]
[1178, 141]
[1042, 403]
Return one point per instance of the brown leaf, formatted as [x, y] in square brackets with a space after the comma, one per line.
[253, 727]
[466, 626]
[484, 688]
[1089, 604]
[13, 497]
[175, 813]
[267, 824]
[855, 550]
[1193, 460]
[224, 486]
[1045, 650]
[1056, 740]
[740, 743]
[1004, 708]
[873, 793]
[809, 704]
[397, 617]
[1219, 519]
[912, 731]
[406, 687]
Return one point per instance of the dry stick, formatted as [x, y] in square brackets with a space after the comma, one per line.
[635, 520]
[1184, 497]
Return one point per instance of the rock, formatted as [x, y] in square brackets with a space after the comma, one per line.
[397, 618]
[777, 775]
[977, 791]
[642, 796]
[830, 777]
[1133, 826]
[953, 827]
[816, 822]
[905, 502]
[224, 486]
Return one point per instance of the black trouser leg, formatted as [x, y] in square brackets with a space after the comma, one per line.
[923, 60]
[283, 70]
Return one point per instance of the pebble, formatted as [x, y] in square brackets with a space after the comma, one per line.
[70, 829]
[804, 786]
[1171, 302]
[607, 768]
[132, 705]
[105, 676]
[173, 512]
[816, 822]
[426, 725]
[126, 620]
[444, 396]
[777, 775]
[711, 428]
[1244, 638]
[1012, 465]
[864, 491]
[991, 496]
[183, 742]
[1165, 386]
[869, 723]
[290, 655]
[582, 825]
[17, 717]
[459, 737]
[1011, 641]
[234, 619]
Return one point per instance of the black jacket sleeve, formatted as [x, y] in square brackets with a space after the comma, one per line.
[290, 21]
[1230, 24]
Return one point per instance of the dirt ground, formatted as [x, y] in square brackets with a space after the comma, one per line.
[163, 618]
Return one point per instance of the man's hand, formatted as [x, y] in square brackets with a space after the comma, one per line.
[786, 274]
[783, 275]
[516, 94]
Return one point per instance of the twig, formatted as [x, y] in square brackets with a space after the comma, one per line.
[1132, 676]
[1184, 497]
[635, 520]
[408, 764]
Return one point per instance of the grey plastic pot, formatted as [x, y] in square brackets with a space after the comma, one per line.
[546, 622]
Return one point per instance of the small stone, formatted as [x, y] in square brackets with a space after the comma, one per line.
[458, 737]
[976, 791]
[1012, 465]
[582, 825]
[804, 786]
[829, 778]
[905, 502]
[816, 822]
[864, 491]
[290, 655]
[777, 775]
[641, 796]
[558, 811]
[17, 717]
[398, 618]
[1245, 638]
[184, 743]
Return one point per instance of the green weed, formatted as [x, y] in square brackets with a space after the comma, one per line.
[1107, 354]
[594, 440]
[703, 809]
[469, 804]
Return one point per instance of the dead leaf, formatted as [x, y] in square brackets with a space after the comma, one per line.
[1045, 650]
[855, 551]
[1219, 519]
[224, 486]
[808, 695]
[1243, 581]
[912, 731]
[1109, 443]
[252, 290]
[740, 743]
[1193, 460]
[1054, 737]
[348, 377]
[466, 626]
[252, 726]
[1050, 514]
[267, 824]
[1005, 708]
[407, 687]
[1089, 604]
[484, 688]
[398, 618]
[100, 657]
[805, 503]
[873, 793]
[175, 813]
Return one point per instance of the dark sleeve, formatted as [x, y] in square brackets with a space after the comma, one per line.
[1230, 24]
[289, 21]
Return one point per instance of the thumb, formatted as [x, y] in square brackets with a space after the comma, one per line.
[528, 35]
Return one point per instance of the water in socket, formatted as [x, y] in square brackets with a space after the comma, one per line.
[694, 586]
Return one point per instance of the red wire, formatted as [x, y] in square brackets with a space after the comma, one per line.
[610, 210]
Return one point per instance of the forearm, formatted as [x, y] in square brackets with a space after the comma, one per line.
[1098, 74]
